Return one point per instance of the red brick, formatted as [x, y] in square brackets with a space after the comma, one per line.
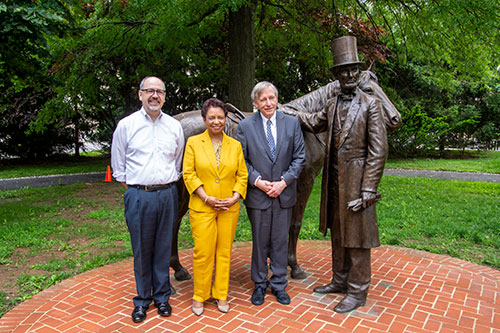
[270, 321]
[466, 322]
[411, 291]
[253, 327]
[52, 322]
[314, 326]
[232, 325]
[432, 325]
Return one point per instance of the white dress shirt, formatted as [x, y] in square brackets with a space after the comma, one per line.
[273, 131]
[144, 152]
[273, 125]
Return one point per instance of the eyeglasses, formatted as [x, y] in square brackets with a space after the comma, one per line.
[159, 92]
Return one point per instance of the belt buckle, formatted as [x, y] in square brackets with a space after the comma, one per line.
[146, 188]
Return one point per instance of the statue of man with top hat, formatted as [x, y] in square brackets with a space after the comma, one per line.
[356, 150]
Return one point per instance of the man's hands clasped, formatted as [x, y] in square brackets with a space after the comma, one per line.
[272, 189]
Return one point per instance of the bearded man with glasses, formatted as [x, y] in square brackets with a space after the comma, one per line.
[146, 156]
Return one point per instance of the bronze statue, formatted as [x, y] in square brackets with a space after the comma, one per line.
[312, 103]
[355, 154]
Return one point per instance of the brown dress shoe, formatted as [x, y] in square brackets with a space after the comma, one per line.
[330, 289]
[348, 304]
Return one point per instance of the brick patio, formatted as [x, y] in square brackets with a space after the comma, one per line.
[411, 291]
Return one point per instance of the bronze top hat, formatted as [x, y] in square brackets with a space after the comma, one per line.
[345, 52]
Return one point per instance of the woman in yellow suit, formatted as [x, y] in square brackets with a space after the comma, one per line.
[216, 177]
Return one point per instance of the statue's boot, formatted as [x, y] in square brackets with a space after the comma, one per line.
[297, 273]
[349, 303]
[358, 281]
[338, 285]
[182, 274]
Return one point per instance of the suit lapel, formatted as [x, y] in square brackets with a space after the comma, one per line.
[225, 153]
[280, 131]
[349, 119]
[261, 135]
[208, 149]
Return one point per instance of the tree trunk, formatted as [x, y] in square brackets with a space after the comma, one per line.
[241, 57]
[76, 136]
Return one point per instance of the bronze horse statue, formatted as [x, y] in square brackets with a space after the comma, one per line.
[192, 124]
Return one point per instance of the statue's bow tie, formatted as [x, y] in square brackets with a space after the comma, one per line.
[347, 97]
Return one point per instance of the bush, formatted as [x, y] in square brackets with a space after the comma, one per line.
[18, 111]
[418, 135]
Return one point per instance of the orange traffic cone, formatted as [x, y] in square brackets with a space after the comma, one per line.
[108, 175]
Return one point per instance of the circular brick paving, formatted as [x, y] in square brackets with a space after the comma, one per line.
[411, 291]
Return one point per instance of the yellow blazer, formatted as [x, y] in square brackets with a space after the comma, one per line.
[200, 168]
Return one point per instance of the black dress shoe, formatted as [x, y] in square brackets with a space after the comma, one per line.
[258, 295]
[164, 309]
[348, 304]
[281, 296]
[139, 314]
[330, 289]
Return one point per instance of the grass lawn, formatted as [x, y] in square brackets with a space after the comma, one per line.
[49, 234]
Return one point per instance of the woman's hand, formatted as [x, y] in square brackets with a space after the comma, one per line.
[225, 204]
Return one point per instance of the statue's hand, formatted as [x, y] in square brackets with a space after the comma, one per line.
[369, 198]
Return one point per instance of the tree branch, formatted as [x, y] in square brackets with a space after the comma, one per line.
[207, 13]
[126, 23]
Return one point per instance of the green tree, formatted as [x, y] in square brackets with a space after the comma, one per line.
[24, 28]
[24, 81]
[424, 52]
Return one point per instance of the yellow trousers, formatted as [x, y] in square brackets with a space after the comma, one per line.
[213, 235]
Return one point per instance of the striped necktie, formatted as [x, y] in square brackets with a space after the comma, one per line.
[270, 139]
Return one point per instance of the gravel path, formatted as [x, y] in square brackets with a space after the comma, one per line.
[453, 175]
[53, 180]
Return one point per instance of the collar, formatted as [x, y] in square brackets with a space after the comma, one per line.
[273, 118]
[347, 97]
[146, 115]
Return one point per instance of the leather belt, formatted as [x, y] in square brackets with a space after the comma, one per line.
[152, 188]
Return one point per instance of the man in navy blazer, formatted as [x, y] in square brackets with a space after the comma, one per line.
[273, 146]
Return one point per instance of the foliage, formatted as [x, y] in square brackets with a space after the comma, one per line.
[100, 71]
[293, 43]
[24, 82]
[418, 135]
[451, 40]
[439, 55]
[23, 39]
[468, 115]
[15, 120]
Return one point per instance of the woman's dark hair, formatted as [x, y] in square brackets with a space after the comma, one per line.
[212, 103]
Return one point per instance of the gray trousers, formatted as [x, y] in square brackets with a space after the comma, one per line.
[270, 240]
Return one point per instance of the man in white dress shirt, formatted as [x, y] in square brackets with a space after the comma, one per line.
[146, 156]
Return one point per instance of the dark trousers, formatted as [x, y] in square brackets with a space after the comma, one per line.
[270, 240]
[150, 217]
[351, 268]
